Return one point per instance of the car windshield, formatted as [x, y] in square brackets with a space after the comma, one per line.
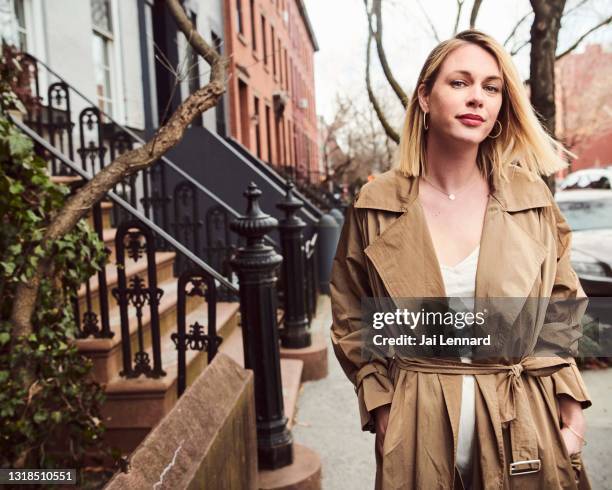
[587, 215]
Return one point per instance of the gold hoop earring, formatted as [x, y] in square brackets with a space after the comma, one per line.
[425, 121]
[501, 128]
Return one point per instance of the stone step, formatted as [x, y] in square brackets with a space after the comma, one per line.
[134, 406]
[164, 266]
[291, 372]
[68, 180]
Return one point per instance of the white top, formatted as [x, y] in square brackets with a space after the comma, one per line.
[460, 282]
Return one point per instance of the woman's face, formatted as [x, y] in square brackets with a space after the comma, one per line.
[466, 97]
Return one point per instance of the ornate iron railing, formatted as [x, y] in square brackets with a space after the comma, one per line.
[156, 209]
[136, 240]
[98, 139]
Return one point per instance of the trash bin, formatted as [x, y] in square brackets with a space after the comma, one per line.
[329, 234]
[338, 216]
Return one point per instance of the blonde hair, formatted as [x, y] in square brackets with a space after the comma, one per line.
[523, 141]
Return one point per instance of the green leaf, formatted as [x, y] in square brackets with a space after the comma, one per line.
[9, 267]
[15, 249]
[19, 145]
[5, 337]
[16, 188]
[40, 417]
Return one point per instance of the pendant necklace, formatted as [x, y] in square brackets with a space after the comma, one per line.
[453, 195]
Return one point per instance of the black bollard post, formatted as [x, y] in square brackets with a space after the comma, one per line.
[295, 334]
[256, 264]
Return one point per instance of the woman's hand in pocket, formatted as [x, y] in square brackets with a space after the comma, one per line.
[381, 417]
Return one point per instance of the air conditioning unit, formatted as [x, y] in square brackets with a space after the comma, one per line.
[303, 103]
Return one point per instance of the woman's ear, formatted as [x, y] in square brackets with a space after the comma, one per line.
[423, 98]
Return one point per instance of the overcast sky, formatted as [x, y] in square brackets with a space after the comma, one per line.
[341, 31]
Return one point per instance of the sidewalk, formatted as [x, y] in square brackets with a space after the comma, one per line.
[327, 421]
[598, 452]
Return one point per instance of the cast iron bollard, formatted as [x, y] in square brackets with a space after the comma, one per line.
[256, 264]
[295, 335]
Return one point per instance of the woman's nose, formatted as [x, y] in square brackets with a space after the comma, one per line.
[475, 99]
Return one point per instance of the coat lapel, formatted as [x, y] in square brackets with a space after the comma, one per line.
[404, 257]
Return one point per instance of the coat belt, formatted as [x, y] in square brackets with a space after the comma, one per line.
[512, 398]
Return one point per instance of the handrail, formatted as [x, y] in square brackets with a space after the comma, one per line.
[165, 159]
[128, 207]
[262, 167]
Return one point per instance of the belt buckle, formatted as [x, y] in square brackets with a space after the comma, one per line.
[514, 470]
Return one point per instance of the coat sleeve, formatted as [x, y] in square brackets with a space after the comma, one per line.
[349, 284]
[568, 380]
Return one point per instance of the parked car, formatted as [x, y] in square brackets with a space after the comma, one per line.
[589, 214]
[588, 178]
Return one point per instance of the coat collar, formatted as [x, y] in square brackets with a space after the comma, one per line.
[393, 191]
[510, 257]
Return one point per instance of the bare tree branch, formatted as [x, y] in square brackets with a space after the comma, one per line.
[581, 38]
[126, 164]
[433, 29]
[575, 7]
[377, 12]
[517, 25]
[391, 133]
[521, 46]
[474, 14]
[459, 7]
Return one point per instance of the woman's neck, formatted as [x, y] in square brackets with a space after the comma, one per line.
[450, 165]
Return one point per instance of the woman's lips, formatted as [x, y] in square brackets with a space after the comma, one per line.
[468, 121]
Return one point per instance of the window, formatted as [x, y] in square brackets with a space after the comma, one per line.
[22, 32]
[253, 36]
[264, 40]
[269, 133]
[257, 127]
[286, 72]
[273, 43]
[239, 16]
[102, 40]
[245, 123]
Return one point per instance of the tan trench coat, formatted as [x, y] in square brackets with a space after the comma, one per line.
[385, 250]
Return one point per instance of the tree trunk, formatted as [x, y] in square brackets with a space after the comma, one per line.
[544, 35]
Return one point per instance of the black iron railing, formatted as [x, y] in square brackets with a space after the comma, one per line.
[98, 139]
[139, 294]
[158, 209]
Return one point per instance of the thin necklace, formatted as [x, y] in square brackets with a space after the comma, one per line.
[453, 195]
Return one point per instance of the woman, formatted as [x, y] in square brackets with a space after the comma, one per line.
[465, 214]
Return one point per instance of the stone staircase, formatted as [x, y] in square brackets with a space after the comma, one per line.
[135, 405]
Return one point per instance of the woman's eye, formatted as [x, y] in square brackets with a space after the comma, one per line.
[457, 83]
[492, 88]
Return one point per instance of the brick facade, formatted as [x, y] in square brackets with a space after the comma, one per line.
[584, 110]
[272, 110]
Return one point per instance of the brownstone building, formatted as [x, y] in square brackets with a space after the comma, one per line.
[271, 104]
[584, 110]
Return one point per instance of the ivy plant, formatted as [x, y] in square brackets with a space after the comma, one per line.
[53, 420]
